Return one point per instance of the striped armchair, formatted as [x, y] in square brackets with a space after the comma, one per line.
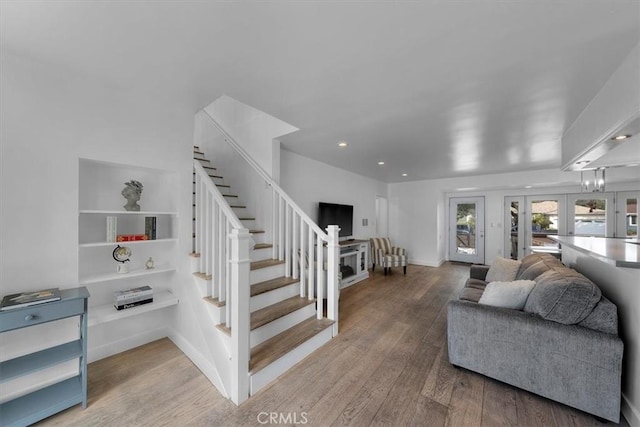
[387, 256]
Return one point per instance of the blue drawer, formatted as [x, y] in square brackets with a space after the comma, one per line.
[28, 316]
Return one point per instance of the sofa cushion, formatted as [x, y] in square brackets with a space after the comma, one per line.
[507, 294]
[503, 270]
[563, 295]
[471, 294]
[535, 264]
[476, 283]
[603, 317]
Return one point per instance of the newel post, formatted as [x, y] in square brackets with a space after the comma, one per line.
[240, 266]
[333, 284]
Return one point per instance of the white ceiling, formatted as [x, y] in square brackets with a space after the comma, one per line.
[433, 89]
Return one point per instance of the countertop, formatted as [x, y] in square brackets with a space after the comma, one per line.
[617, 252]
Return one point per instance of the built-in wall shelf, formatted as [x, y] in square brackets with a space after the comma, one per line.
[100, 200]
[107, 312]
[134, 242]
[132, 273]
[143, 213]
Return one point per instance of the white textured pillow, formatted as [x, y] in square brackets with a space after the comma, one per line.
[503, 270]
[507, 294]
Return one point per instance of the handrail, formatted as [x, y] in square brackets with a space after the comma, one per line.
[222, 202]
[231, 141]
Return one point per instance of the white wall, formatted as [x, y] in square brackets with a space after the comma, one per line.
[50, 118]
[252, 128]
[308, 182]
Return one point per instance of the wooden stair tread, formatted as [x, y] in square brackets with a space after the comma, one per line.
[256, 231]
[237, 206]
[280, 309]
[215, 301]
[247, 218]
[223, 328]
[270, 285]
[209, 167]
[256, 265]
[202, 160]
[203, 276]
[274, 348]
[229, 195]
[223, 185]
[194, 254]
[262, 246]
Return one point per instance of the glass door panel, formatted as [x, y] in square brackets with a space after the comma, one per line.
[590, 215]
[545, 217]
[514, 233]
[466, 225]
[627, 214]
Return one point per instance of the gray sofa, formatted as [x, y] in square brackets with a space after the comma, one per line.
[563, 345]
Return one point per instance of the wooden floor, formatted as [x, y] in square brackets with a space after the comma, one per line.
[388, 366]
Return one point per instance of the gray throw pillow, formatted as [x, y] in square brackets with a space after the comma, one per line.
[563, 295]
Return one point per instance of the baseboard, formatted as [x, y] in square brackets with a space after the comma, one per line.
[198, 359]
[425, 263]
[115, 347]
[630, 413]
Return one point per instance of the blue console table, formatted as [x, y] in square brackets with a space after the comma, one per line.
[47, 401]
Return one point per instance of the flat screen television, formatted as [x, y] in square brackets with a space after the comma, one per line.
[334, 214]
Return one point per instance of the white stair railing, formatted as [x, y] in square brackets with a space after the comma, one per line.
[297, 239]
[223, 245]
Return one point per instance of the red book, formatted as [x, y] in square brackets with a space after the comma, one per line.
[131, 237]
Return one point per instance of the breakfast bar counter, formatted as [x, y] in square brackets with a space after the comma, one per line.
[616, 252]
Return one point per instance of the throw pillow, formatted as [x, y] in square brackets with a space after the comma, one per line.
[564, 296]
[507, 294]
[503, 270]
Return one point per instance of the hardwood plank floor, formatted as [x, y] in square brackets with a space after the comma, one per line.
[388, 366]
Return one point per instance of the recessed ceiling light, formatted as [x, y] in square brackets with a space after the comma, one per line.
[528, 186]
[380, 163]
[342, 144]
[582, 162]
[620, 137]
[404, 174]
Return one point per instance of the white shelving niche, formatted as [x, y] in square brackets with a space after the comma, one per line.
[100, 186]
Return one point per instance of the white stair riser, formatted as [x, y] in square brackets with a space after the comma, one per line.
[264, 274]
[263, 377]
[269, 298]
[218, 314]
[281, 324]
[261, 254]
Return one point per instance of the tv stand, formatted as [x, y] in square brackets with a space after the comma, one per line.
[354, 259]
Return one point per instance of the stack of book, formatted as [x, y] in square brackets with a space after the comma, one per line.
[112, 228]
[133, 297]
[150, 227]
[26, 299]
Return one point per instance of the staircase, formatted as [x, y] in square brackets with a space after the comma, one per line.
[284, 321]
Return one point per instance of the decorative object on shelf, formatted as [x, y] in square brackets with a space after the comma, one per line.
[592, 181]
[131, 237]
[150, 227]
[150, 263]
[122, 254]
[132, 192]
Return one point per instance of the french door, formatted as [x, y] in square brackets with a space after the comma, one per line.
[627, 213]
[466, 229]
[545, 216]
